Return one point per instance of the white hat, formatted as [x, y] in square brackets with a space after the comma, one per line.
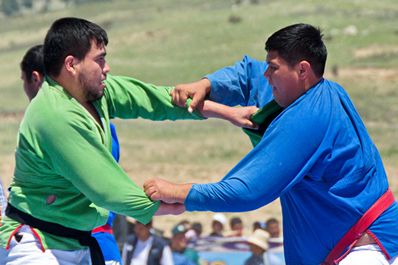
[219, 217]
[259, 238]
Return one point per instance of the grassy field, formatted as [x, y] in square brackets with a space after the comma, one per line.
[173, 41]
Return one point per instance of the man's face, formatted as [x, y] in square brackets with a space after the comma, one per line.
[284, 79]
[217, 226]
[92, 72]
[178, 242]
[273, 229]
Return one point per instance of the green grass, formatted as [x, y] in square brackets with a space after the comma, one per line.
[174, 41]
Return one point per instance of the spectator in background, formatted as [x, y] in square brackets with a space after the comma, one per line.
[272, 226]
[185, 223]
[194, 232]
[236, 226]
[145, 248]
[217, 225]
[120, 230]
[182, 255]
[275, 254]
[32, 71]
[197, 227]
[258, 225]
[3, 201]
[258, 246]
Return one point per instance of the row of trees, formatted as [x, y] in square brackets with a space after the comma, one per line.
[16, 7]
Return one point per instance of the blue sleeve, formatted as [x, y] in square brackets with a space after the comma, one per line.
[116, 156]
[115, 143]
[278, 162]
[241, 84]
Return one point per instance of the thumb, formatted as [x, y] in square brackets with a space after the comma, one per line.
[253, 125]
[196, 100]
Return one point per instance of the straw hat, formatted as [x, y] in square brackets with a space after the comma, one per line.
[259, 238]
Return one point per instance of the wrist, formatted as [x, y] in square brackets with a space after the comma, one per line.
[205, 84]
[181, 192]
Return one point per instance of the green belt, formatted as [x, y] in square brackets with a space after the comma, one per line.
[263, 117]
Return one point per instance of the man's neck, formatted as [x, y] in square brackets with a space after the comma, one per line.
[92, 110]
[310, 82]
[77, 93]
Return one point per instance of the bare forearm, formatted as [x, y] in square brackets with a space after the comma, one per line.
[239, 116]
[211, 109]
[181, 192]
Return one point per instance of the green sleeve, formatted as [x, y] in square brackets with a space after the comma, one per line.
[75, 151]
[130, 98]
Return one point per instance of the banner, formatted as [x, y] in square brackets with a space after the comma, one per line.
[232, 251]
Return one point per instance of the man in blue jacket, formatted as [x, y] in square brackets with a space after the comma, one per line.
[315, 155]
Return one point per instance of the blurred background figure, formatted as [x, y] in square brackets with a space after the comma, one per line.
[258, 225]
[217, 225]
[182, 254]
[145, 248]
[32, 71]
[3, 201]
[258, 246]
[195, 232]
[236, 226]
[275, 253]
[273, 227]
[121, 230]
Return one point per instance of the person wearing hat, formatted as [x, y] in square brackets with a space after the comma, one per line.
[217, 225]
[182, 255]
[144, 247]
[258, 246]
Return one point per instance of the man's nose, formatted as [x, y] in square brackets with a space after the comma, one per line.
[266, 73]
[107, 68]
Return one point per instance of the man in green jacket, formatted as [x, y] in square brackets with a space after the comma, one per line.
[65, 176]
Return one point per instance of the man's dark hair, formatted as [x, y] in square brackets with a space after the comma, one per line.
[70, 36]
[33, 61]
[234, 221]
[271, 220]
[299, 42]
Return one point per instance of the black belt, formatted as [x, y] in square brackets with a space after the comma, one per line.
[84, 237]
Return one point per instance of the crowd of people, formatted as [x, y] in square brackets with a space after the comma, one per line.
[331, 177]
[144, 244]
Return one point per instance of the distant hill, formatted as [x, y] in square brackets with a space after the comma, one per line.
[174, 41]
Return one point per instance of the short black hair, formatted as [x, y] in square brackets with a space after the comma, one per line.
[271, 220]
[33, 61]
[235, 221]
[70, 36]
[299, 42]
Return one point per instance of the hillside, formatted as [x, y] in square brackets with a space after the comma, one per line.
[174, 41]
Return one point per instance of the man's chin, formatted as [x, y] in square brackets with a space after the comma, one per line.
[95, 97]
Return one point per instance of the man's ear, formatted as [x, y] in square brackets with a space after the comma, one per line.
[70, 64]
[304, 69]
[37, 77]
